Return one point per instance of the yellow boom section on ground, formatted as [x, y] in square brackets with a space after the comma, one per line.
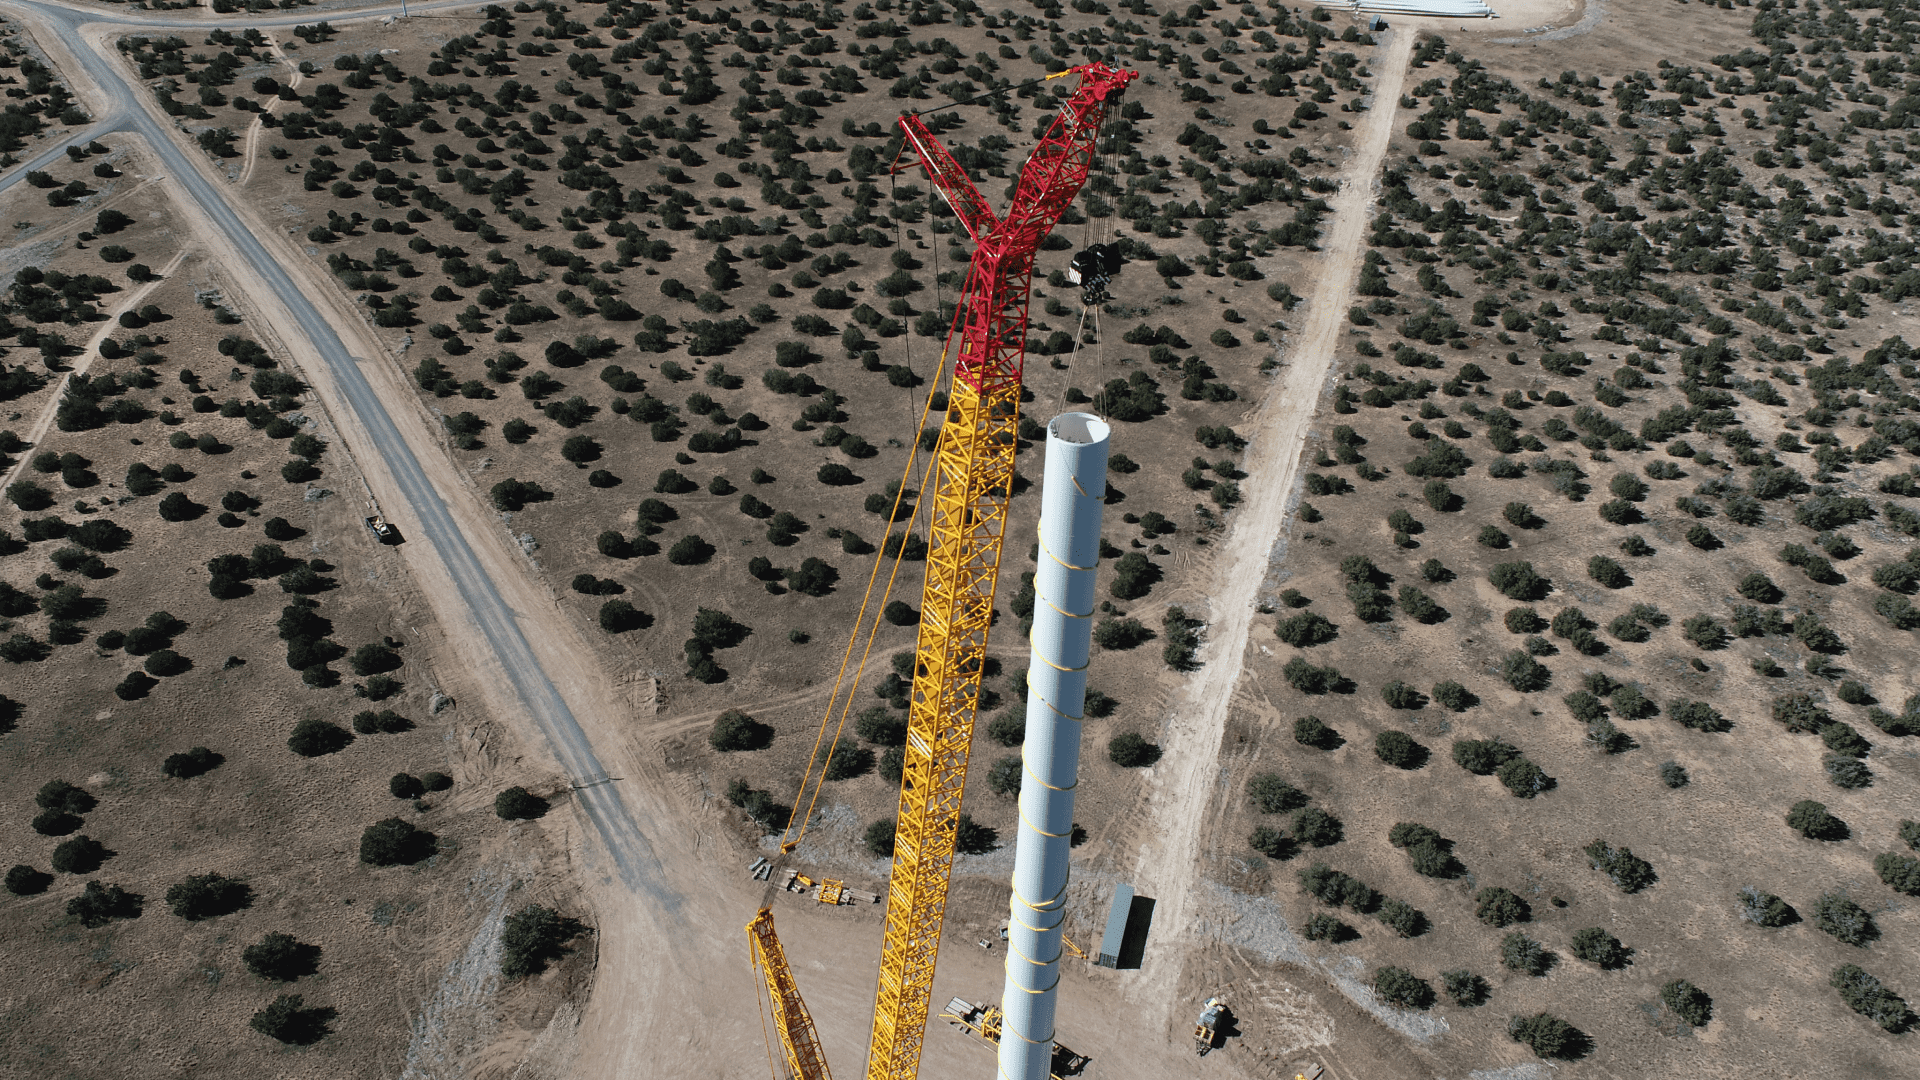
[798, 1040]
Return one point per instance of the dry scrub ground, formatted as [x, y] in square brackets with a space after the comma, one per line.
[159, 995]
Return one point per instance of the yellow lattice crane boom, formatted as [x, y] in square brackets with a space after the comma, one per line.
[798, 1039]
[967, 493]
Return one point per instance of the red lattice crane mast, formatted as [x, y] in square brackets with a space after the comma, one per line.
[967, 492]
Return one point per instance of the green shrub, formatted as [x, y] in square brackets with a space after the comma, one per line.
[518, 804]
[395, 842]
[314, 737]
[206, 896]
[1498, 907]
[1482, 756]
[1846, 921]
[735, 730]
[1597, 947]
[1547, 1036]
[1628, 872]
[1765, 909]
[1317, 827]
[1399, 750]
[1518, 952]
[1688, 1002]
[1306, 630]
[533, 937]
[1272, 795]
[1131, 751]
[1464, 988]
[1315, 732]
[281, 958]
[1398, 986]
[1870, 998]
[288, 1020]
[1811, 820]
[1271, 842]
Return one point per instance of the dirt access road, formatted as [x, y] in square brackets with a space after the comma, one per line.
[524, 656]
[1184, 786]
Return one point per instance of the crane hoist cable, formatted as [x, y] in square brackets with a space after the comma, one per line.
[814, 775]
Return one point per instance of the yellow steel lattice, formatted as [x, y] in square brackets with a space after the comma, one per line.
[968, 496]
[799, 1042]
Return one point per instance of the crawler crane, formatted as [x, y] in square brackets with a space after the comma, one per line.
[967, 493]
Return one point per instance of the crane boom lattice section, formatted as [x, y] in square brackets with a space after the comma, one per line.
[971, 484]
[799, 1042]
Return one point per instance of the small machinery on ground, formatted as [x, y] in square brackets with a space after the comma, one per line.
[1206, 1032]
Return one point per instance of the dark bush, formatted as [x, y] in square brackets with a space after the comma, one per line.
[1399, 750]
[518, 804]
[1523, 778]
[1870, 998]
[395, 842]
[281, 958]
[1132, 751]
[1765, 909]
[288, 1020]
[1628, 872]
[1901, 873]
[1548, 1036]
[1305, 630]
[533, 937]
[973, 838]
[735, 730]
[63, 796]
[847, 760]
[206, 896]
[1272, 795]
[1811, 820]
[1482, 756]
[80, 855]
[313, 737]
[1518, 581]
[879, 838]
[1597, 947]
[24, 880]
[1317, 827]
[884, 727]
[1848, 922]
[1313, 731]
[1112, 633]
[1464, 988]
[1398, 986]
[1399, 695]
[1499, 907]
[1688, 1002]
[100, 903]
[1518, 952]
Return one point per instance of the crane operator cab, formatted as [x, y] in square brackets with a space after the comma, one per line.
[1092, 268]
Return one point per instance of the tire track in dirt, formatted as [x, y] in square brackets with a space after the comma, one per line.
[1183, 789]
[111, 325]
[254, 129]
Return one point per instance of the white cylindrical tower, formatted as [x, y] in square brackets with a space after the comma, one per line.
[1072, 495]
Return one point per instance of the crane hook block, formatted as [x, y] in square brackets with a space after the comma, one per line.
[1092, 268]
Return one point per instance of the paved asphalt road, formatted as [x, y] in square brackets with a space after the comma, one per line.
[628, 846]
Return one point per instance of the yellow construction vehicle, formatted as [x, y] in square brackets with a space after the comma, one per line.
[983, 1022]
[1206, 1032]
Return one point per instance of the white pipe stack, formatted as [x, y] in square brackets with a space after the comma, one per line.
[1072, 495]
